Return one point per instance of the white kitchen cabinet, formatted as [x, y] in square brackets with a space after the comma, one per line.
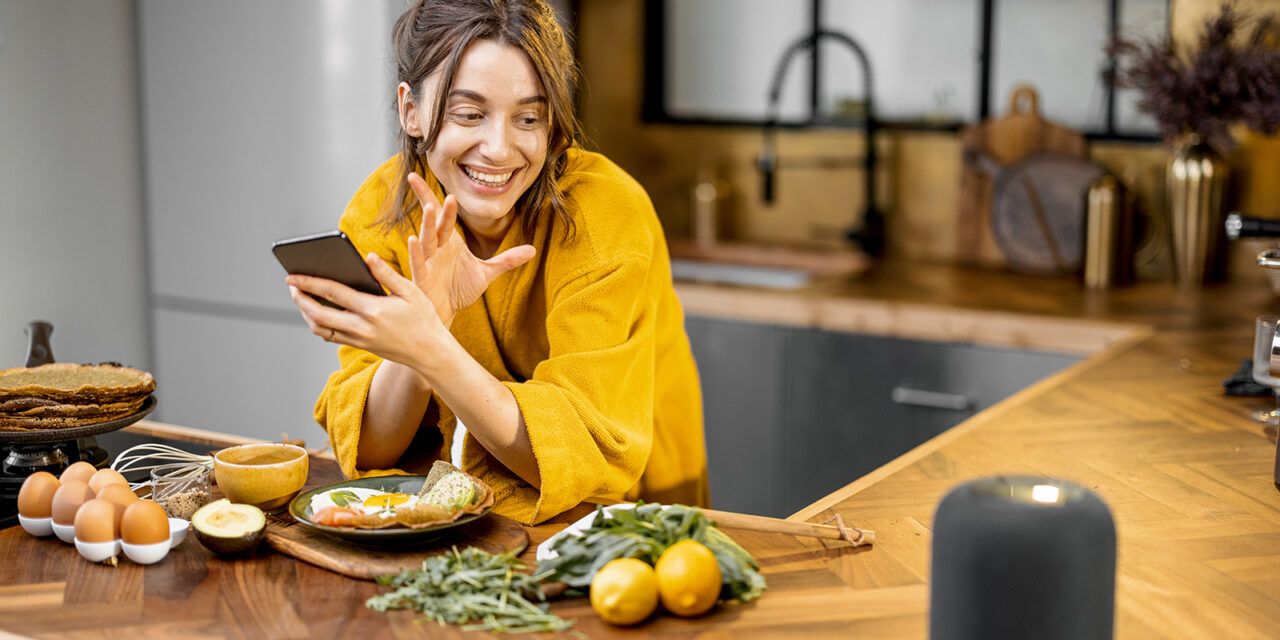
[261, 119]
[243, 377]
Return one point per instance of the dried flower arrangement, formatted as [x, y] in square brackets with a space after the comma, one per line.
[1226, 80]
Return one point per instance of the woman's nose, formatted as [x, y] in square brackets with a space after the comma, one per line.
[496, 143]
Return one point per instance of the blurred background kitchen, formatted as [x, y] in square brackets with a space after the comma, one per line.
[152, 150]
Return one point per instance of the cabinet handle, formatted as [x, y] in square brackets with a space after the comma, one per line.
[931, 399]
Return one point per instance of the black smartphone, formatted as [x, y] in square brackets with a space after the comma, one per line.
[328, 254]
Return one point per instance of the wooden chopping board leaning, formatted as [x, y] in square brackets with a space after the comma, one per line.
[1023, 191]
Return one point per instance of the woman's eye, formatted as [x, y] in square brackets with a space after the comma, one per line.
[529, 121]
[470, 116]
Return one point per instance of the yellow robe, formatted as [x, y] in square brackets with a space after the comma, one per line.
[589, 336]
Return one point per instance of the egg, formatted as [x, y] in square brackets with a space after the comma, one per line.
[104, 477]
[68, 499]
[96, 521]
[145, 522]
[80, 471]
[365, 500]
[119, 495]
[387, 501]
[35, 498]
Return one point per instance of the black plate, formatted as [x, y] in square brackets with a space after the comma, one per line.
[398, 535]
[44, 436]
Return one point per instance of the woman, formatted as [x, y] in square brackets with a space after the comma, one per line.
[533, 304]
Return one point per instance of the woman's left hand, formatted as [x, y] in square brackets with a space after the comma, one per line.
[401, 326]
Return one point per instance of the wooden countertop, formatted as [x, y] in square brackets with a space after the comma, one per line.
[1142, 421]
[47, 590]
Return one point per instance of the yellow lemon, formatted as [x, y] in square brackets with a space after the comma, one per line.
[688, 578]
[624, 591]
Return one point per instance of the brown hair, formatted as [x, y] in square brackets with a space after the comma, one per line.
[433, 34]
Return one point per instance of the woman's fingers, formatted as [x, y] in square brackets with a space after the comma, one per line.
[326, 322]
[418, 268]
[509, 259]
[420, 189]
[333, 291]
[429, 233]
[390, 278]
[450, 217]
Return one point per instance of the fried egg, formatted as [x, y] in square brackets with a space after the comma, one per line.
[370, 501]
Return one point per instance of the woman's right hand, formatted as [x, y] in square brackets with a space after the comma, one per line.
[442, 264]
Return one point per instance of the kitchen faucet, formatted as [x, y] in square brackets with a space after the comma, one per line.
[871, 235]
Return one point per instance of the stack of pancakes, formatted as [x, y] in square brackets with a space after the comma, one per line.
[58, 396]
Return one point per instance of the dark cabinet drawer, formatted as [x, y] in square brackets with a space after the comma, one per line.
[741, 368]
[794, 414]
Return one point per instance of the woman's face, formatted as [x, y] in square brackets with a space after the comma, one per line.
[493, 138]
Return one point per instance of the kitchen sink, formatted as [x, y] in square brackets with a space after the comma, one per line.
[766, 266]
[739, 274]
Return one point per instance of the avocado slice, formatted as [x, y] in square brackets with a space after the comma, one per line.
[229, 529]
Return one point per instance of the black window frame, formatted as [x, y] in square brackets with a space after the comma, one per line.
[654, 110]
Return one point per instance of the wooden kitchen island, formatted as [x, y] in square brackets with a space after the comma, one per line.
[1142, 421]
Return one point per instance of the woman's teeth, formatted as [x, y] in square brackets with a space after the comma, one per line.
[488, 179]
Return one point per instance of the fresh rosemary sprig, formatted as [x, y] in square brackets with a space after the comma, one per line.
[475, 588]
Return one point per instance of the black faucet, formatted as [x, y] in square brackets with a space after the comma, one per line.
[870, 237]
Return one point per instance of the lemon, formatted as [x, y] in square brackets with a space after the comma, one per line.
[624, 591]
[688, 578]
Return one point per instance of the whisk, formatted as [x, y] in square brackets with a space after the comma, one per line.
[146, 457]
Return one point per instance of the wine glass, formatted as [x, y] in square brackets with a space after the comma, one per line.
[1264, 346]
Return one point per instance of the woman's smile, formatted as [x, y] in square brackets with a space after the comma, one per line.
[488, 182]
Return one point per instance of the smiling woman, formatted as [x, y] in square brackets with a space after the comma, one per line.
[530, 293]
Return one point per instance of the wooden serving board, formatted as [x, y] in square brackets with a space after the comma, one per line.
[1021, 132]
[493, 533]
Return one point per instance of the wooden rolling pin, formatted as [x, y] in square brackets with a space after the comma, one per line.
[839, 531]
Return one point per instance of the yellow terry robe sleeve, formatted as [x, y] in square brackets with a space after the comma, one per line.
[589, 406]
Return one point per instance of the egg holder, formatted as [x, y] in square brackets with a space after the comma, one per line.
[101, 551]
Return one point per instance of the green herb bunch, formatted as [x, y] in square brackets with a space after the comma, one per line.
[644, 533]
[474, 588]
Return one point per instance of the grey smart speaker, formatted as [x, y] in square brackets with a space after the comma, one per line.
[1022, 557]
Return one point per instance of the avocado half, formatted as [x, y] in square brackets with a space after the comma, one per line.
[226, 528]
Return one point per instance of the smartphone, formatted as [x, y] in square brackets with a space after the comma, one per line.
[328, 254]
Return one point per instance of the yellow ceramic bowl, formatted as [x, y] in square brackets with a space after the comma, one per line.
[266, 475]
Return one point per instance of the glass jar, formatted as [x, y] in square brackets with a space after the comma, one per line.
[181, 488]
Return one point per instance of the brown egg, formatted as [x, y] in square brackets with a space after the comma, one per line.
[35, 498]
[68, 499]
[145, 522]
[104, 477]
[119, 495]
[80, 471]
[96, 521]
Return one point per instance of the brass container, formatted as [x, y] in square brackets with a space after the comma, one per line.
[1108, 251]
[1195, 184]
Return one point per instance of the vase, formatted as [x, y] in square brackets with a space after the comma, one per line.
[1194, 184]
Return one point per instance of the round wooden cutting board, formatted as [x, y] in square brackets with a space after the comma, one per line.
[493, 533]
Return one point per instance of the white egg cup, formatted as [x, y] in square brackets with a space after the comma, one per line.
[98, 551]
[65, 532]
[178, 529]
[38, 527]
[146, 553]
